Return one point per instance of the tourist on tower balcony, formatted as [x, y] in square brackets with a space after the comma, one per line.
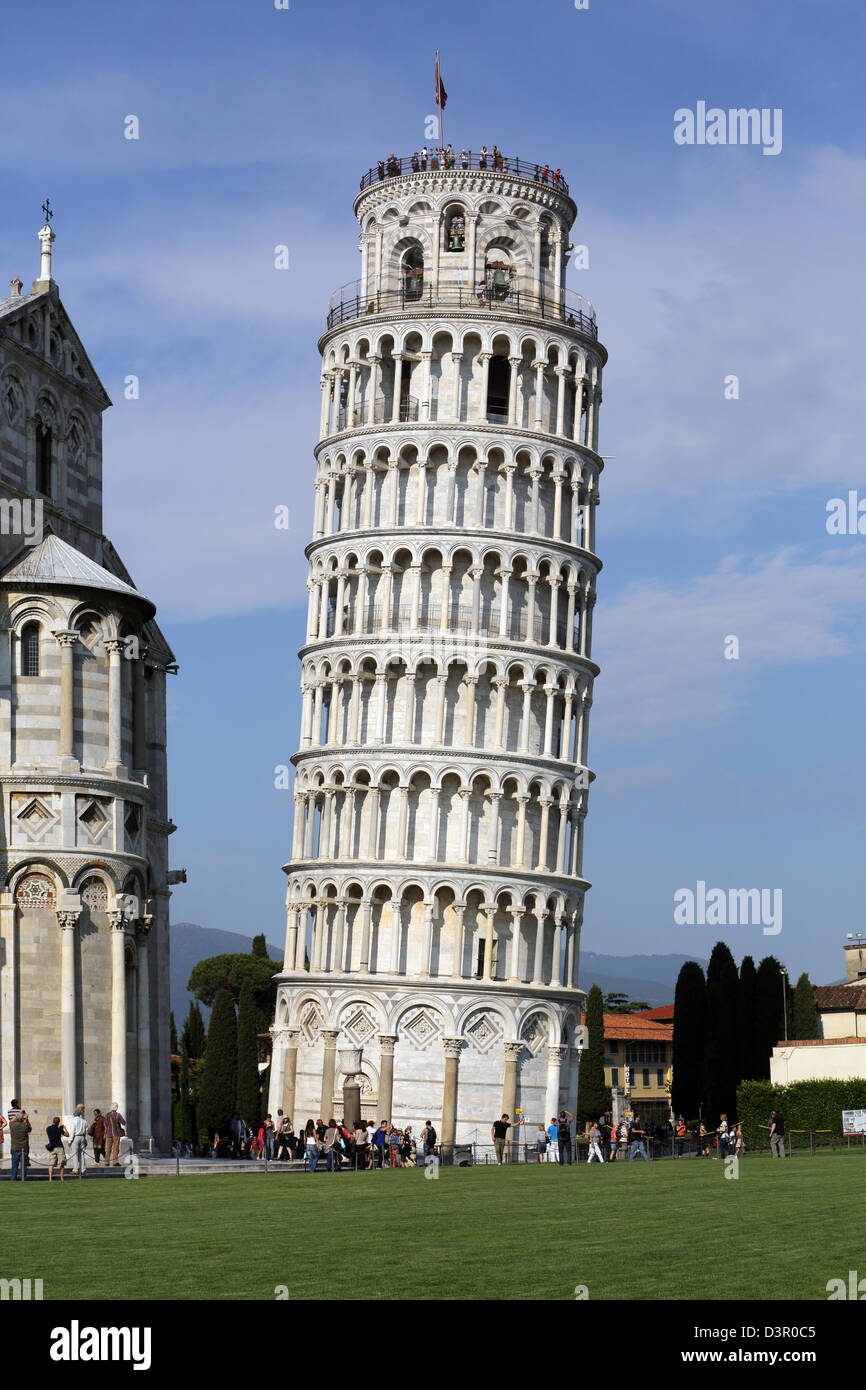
[380, 168]
[483, 157]
[416, 163]
[449, 157]
[557, 177]
[497, 157]
[424, 157]
[544, 173]
[393, 164]
[465, 158]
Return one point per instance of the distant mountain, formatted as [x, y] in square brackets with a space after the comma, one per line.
[652, 978]
[190, 944]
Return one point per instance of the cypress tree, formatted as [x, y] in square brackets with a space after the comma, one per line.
[186, 1127]
[220, 1075]
[248, 1101]
[720, 1086]
[593, 1097]
[194, 1035]
[689, 1043]
[747, 995]
[804, 1014]
[769, 1018]
[172, 1034]
[260, 946]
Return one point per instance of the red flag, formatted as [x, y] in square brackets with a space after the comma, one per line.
[441, 94]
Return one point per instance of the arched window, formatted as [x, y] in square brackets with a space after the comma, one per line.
[455, 230]
[498, 382]
[35, 891]
[412, 267]
[30, 650]
[43, 458]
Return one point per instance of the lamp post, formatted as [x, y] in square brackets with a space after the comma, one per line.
[784, 975]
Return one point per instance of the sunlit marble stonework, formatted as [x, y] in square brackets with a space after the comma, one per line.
[436, 887]
[84, 984]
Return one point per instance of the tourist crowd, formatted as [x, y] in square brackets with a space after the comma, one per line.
[333, 1143]
[447, 159]
[104, 1131]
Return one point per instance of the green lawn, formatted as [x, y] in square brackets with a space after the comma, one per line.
[664, 1230]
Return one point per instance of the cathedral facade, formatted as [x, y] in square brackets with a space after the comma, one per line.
[84, 897]
[436, 887]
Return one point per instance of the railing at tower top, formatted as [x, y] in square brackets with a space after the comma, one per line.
[356, 301]
[466, 159]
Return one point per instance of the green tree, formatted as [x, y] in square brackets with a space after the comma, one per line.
[194, 1036]
[259, 946]
[804, 1014]
[172, 1034]
[770, 1001]
[219, 1081]
[621, 1004]
[229, 972]
[185, 1127]
[689, 1042]
[248, 1102]
[593, 1096]
[721, 1061]
[747, 994]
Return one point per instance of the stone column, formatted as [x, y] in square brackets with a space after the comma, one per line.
[301, 944]
[531, 581]
[310, 829]
[539, 392]
[428, 939]
[366, 912]
[329, 1071]
[386, 1074]
[66, 641]
[520, 847]
[560, 840]
[291, 948]
[550, 693]
[456, 360]
[535, 476]
[421, 497]
[493, 839]
[118, 1009]
[451, 1047]
[385, 599]
[441, 695]
[465, 794]
[538, 962]
[556, 1053]
[542, 865]
[469, 734]
[514, 953]
[503, 575]
[398, 376]
[501, 684]
[554, 614]
[561, 374]
[339, 952]
[396, 927]
[68, 1031]
[460, 940]
[278, 1068]
[509, 1088]
[514, 364]
[471, 222]
[484, 359]
[488, 942]
[373, 388]
[527, 687]
[382, 688]
[142, 976]
[113, 762]
[373, 829]
[556, 976]
[290, 1072]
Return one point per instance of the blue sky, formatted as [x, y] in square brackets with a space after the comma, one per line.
[255, 127]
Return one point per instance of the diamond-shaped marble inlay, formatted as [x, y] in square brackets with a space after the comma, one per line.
[35, 818]
[358, 1023]
[421, 1028]
[484, 1031]
[534, 1033]
[94, 819]
[311, 1022]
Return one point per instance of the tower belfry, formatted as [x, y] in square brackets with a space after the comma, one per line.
[435, 886]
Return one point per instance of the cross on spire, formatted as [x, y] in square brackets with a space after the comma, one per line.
[46, 208]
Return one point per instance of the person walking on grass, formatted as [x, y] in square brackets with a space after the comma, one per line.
[637, 1134]
[311, 1144]
[553, 1141]
[595, 1143]
[777, 1134]
[114, 1127]
[56, 1153]
[78, 1140]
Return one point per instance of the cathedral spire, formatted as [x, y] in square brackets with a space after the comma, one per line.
[46, 238]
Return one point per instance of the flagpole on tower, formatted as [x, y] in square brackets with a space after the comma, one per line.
[441, 98]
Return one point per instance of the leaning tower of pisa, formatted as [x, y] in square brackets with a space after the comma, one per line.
[435, 889]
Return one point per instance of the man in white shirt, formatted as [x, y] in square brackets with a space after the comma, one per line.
[77, 1140]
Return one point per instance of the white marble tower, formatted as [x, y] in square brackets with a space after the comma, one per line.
[436, 881]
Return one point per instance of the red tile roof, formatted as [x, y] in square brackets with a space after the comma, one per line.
[633, 1028]
[851, 996]
[663, 1014]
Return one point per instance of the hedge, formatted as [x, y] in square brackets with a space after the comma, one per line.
[804, 1105]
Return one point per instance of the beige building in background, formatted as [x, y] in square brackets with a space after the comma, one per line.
[436, 880]
[84, 986]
